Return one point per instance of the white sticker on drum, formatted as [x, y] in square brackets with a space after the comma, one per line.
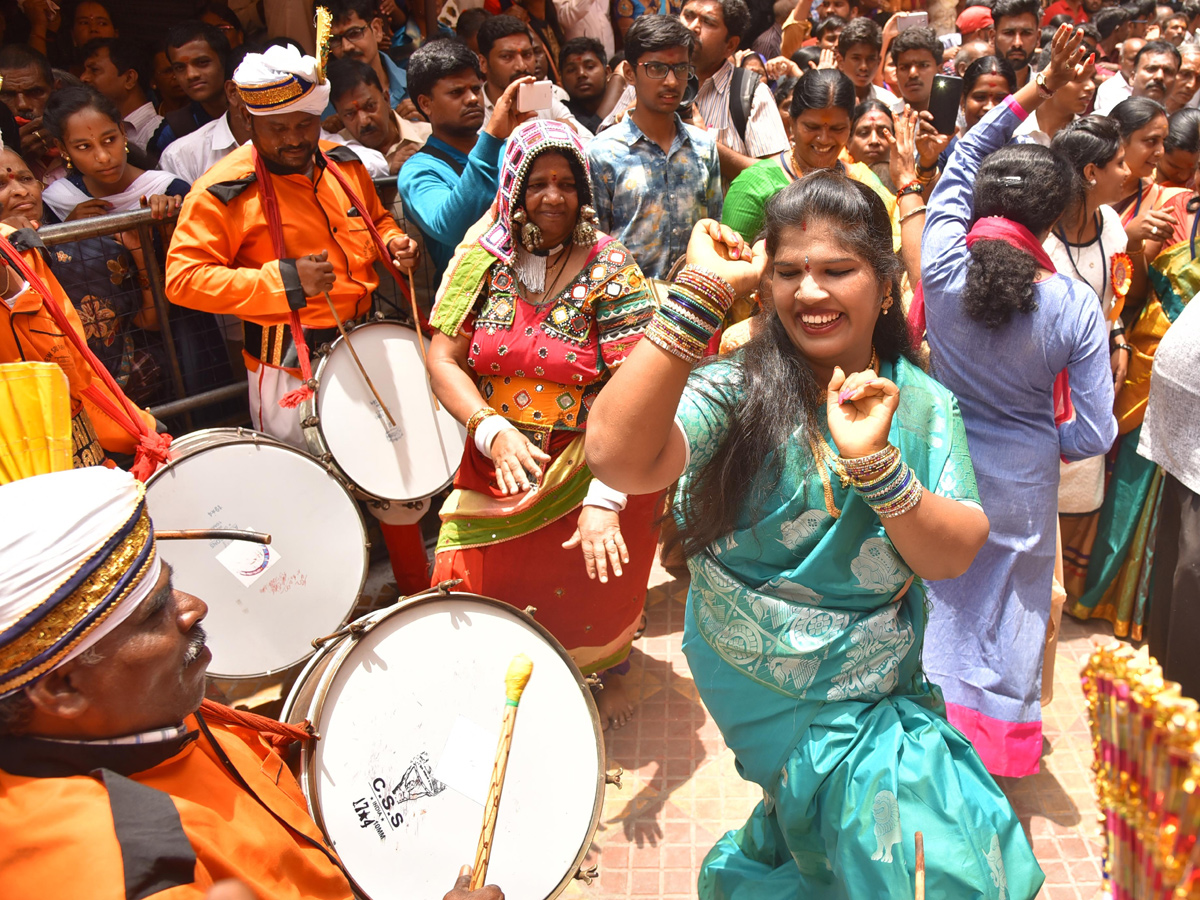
[467, 760]
[248, 561]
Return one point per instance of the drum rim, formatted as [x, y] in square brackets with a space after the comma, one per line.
[241, 435]
[314, 435]
[346, 642]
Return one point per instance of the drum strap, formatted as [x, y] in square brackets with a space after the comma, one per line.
[152, 447]
[227, 763]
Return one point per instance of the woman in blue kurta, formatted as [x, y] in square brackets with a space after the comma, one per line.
[1002, 327]
[806, 612]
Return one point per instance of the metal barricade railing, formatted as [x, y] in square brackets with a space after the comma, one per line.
[183, 403]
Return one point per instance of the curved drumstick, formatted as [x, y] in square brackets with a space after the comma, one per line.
[358, 362]
[515, 680]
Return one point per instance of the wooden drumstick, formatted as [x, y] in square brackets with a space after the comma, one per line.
[358, 362]
[920, 839]
[412, 298]
[515, 680]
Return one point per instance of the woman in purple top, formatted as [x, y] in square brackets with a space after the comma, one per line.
[1002, 326]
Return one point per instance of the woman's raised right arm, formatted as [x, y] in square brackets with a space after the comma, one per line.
[632, 443]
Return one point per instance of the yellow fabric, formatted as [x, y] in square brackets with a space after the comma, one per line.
[35, 420]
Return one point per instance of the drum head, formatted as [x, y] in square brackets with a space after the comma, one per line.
[423, 457]
[409, 717]
[265, 604]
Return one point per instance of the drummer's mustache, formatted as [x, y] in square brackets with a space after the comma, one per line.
[196, 642]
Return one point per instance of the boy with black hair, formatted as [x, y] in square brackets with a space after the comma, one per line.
[119, 68]
[827, 32]
[859, 52]
[653, 176]
[917, 56]
[469, 23]
[1112, 24]
[583, 68]
[1017, 34]
[452, 180]
[199, 54]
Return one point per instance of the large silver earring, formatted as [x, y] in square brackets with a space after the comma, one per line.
[585, 228]
[531, 237]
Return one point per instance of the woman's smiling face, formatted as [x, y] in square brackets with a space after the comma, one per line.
[827, 297]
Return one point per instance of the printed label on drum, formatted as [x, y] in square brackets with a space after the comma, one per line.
[388, 804]
[466, 762]
[248, 561]
[393, 432]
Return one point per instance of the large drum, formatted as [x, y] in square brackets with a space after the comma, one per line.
[266, 603]
[408, 705]
[396, 470]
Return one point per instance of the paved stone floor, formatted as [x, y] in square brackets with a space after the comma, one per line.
[680, 791]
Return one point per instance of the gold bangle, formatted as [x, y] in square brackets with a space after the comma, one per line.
[913, 212]
[477, 417]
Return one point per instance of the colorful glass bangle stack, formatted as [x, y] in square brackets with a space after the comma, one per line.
[478, 416]
[1146, 737]
[882, 479]
[690, 314]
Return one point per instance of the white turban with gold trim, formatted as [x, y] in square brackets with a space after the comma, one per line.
[77, 557]
[281, 80]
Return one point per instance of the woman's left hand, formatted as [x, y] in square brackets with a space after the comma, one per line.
[405, 252]
[599, 533]
[162, 206]
[860, 425]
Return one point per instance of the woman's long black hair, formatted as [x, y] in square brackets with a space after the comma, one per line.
[1094, 140]
[779, 389]
[1028, 184]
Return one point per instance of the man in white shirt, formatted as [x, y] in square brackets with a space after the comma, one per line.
[119, 68]
[1115, 89]
[370, 123]
[718, 26]
[506, 54]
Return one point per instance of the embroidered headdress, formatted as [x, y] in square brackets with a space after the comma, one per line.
[525, 145]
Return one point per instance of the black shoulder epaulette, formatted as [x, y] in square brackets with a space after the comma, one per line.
[226, 191]
[342, 154]
[27, 239]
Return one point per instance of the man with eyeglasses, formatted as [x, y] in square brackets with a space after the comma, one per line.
[653, 176]
[356, 33]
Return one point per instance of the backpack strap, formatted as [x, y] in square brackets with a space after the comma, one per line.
[742, 86]
[439, 153]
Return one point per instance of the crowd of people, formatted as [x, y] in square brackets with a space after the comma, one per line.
[893, 393]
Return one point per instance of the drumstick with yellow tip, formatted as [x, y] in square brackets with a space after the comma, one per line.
[515, 680]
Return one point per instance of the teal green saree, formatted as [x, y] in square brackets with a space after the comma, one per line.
[804, 631]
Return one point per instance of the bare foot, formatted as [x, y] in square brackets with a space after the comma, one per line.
[613, 703]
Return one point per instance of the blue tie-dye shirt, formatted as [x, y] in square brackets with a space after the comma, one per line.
[649, 200]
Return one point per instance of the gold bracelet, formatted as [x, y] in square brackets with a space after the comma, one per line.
[476, 418]
[916, 211]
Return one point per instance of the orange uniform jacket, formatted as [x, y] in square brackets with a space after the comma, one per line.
[158, 821]
[221, 258]
[27, 332]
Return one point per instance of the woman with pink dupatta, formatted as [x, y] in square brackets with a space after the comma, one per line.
[1002, 325]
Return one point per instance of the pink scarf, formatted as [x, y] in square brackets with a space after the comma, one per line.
[996, 228]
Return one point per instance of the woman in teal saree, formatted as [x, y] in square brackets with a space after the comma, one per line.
[806, 612]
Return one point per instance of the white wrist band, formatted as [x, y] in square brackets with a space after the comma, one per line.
[486, 432]
[601, 495]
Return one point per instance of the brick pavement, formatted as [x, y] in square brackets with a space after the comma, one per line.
[680, 791]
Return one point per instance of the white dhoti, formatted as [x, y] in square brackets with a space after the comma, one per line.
[267, 386]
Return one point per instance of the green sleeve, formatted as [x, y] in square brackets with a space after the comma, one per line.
[746, 201]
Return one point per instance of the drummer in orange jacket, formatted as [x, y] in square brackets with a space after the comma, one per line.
[223, 256]
[115, 782]
[28, 332]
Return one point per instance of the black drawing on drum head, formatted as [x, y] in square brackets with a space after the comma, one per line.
[388, 803]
